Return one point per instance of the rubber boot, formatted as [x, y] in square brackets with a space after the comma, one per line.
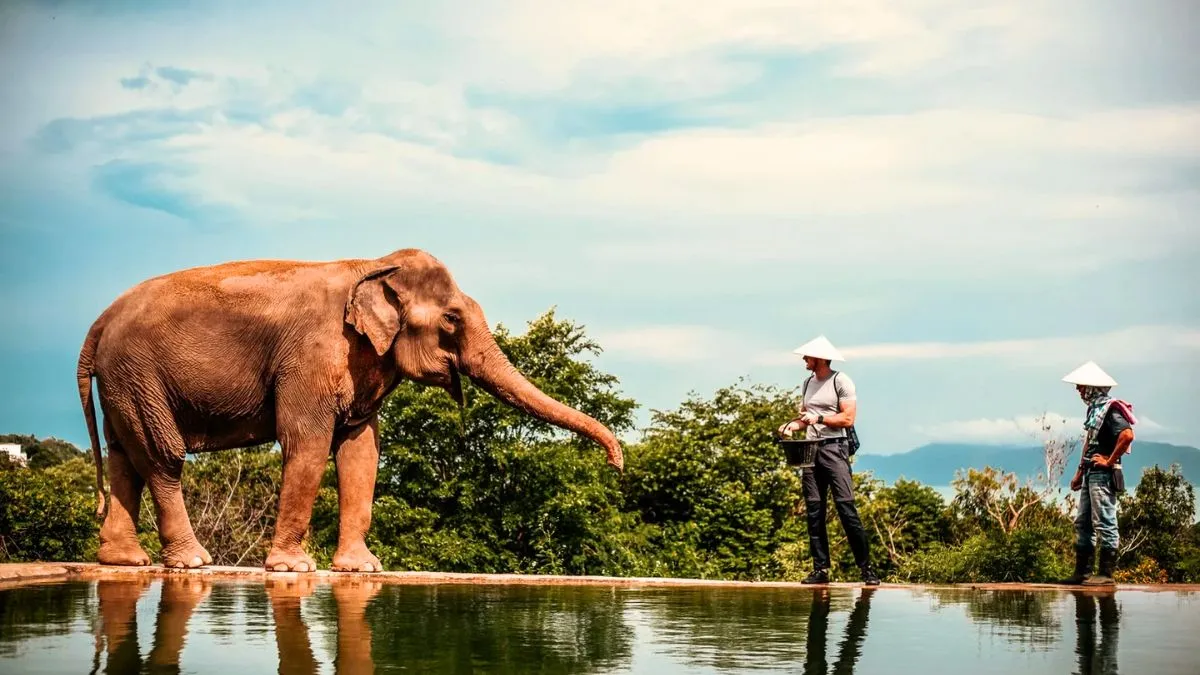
[1083, 566]
[1108, 562]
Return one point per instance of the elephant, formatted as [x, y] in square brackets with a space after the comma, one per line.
[297, 352]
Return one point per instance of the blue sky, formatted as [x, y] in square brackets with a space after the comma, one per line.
[969, 199]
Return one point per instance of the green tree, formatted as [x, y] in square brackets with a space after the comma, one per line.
[232, 498]
[47, 514]
[487, 488]
[45, 452]
[1156, 522]
[1002, 530]
[491, 489]
[906, 518]
[711, 483]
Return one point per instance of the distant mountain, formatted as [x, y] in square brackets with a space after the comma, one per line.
[935, 464]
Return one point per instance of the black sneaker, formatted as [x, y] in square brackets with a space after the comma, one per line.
[869, 577]
[817, 577]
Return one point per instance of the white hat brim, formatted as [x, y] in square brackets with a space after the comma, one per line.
[1090, 374]
[819, 348]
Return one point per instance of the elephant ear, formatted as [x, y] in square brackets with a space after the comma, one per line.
[376, 307]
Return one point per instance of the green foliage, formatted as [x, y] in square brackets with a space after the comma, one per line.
[705, 494]
[903, 519]
[1156, 523]
[46, 452]
[710, 477]
[232, 500]
[491, 489]
[48, 514]
[1026, 555]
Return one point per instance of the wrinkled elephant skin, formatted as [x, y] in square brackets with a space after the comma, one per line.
[302, 353]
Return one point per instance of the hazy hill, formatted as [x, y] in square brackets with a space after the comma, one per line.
[935, 464]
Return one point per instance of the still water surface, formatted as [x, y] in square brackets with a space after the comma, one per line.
[197, 625]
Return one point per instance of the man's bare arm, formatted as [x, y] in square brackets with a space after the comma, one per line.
[1124, 440]
[844, 418]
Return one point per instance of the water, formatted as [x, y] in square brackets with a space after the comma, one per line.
[191, 624]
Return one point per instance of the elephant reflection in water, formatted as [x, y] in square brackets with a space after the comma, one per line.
[818, 632]
[1096, 659]
[118, 634]
[351, 597]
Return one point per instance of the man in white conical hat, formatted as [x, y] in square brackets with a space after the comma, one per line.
[1108, 433]
[827, 413]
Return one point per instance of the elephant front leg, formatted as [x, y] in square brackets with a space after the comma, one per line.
[304, 458]
[357, 458]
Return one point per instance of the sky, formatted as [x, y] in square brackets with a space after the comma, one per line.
[968, 199]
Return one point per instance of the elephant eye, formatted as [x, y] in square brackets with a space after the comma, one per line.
[452, 318]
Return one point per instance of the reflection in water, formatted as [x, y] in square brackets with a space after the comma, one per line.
[850, 648]
[1022, 617]
[726, 629]
[1093, 659]
[503, 629]
[38, 611]
[291, 633]
[305, 624]
[749, 629]
[353, 642]
[118, 635]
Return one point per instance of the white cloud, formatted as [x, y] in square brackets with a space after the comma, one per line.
[938, 190]
[879, 189]
[875, 164]
[1000, 430]
[669, 344]
[702, 148]
[553, 43]
[1126, 347]
[1019, 429]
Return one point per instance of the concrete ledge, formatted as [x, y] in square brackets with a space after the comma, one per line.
[22, 573]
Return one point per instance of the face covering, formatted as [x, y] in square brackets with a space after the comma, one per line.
[1097, 399]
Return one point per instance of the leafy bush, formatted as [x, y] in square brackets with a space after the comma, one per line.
[705, 494]
[47, 515]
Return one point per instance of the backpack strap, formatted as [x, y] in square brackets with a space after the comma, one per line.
[836, 397]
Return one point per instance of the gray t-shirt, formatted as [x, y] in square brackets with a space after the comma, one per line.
[821, 397]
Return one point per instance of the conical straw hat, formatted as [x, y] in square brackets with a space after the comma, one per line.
[1090, 374]
[819, 348]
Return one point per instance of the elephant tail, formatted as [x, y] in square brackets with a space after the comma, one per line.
[84, 377]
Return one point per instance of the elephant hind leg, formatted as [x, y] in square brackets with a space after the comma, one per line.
[160, 461]
[180, 548]
[118, 535]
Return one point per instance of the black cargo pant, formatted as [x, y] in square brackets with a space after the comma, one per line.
[832, 472]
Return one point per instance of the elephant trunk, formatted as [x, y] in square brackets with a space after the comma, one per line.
[487, 366]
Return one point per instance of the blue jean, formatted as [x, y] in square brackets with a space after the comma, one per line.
[1097, 516]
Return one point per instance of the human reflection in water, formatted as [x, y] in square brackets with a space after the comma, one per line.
[350, 597]
[118, 635]
[850, 648]
[1096, 659]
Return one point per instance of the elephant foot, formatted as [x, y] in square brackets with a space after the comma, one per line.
[186, 556]
[122, 553]
[355, 559]
[279, 560]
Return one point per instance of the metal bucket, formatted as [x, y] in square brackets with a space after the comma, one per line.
[799, 452]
